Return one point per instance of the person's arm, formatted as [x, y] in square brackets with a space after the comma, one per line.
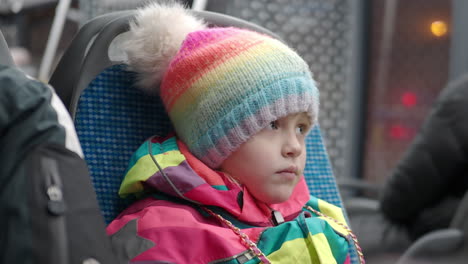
[30, 114]
[429, 169]
[47, 201]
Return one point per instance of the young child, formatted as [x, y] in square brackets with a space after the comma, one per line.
[229, 187]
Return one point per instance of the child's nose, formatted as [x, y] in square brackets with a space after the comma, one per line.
[292, 146]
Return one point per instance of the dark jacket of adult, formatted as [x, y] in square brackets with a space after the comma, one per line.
[424, 190]
[48, 207]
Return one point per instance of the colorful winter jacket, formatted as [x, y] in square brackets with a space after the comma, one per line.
[170, 225]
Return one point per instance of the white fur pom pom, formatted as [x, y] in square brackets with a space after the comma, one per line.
[155, 36]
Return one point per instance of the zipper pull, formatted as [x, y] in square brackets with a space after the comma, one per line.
[55, 204]
[276, 217]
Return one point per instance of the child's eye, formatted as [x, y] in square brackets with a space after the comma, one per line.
[301, 129]
[273, 125]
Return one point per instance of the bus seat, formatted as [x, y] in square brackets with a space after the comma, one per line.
[448, 245]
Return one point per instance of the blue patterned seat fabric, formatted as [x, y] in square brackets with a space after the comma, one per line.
[112, 120]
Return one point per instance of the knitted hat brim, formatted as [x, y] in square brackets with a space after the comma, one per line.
[289, 96]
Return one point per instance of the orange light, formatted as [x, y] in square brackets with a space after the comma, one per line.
[439, 28]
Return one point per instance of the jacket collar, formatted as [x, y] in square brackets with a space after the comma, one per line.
[182, 175]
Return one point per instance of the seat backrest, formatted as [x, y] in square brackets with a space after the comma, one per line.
[449, 245]
[5, 55]
[68, 70]
[113, 118]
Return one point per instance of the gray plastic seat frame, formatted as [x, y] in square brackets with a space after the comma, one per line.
[5, 55]
[67, 72]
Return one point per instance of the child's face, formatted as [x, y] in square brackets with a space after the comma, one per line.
[271, 163]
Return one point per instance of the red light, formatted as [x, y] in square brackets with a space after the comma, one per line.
[399, 132]
[409, 99]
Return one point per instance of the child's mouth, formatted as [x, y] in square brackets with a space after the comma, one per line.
[289, 173]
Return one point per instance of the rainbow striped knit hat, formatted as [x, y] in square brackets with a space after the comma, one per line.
[223, 85]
